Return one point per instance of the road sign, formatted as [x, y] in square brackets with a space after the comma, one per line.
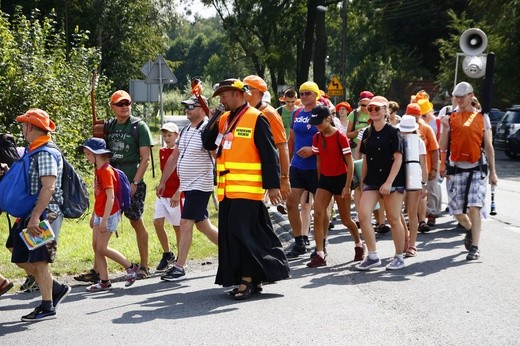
[141, 92]
[160, 73]
[335, 88]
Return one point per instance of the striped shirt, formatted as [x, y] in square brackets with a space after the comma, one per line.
[194, 166]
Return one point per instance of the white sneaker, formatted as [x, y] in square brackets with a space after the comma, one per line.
[396, 263]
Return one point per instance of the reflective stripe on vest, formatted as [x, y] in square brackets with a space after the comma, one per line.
[239, 170]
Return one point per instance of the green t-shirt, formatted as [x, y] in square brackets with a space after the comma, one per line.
[120, 140]
[362, 121]
[286, 119]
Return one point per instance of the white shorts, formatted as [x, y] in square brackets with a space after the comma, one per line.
[164, 210]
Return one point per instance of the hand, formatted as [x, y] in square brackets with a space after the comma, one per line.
[3, 169]
[275, 196]
[304, 152]
[432, 175]
[285, 188]
[159, 189]
[493, 179]
[346, 192]
[175, 199]
[133, 189]
[33, 227]
[385, 188]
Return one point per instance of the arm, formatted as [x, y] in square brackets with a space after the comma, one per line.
[435, 163]
[285, 186]
[46, 191]
[490, 155]
[350, 173]
[290, 143]
[144, 153]
[424, 174]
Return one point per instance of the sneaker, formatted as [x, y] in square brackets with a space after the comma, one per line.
[314, 253]
[383, 229]
[468, 240]
[90, 276]
[474, 253]
[143, 273]
[167, 259]
[59, 296]
[131, 274]
[317, 261]
[39, 314]
[30, 284]
[360, 253]
[98, 287]
[368, 263]
[174, 274]
[296, 251]
[331, 225]
[396, 263]
[423, 227]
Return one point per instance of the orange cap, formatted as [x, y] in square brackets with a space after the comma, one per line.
[256, 82]
[38, 118]
[345, 105]
[120, 95]
[413, 109]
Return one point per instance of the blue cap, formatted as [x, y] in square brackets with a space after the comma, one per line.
[97, 146]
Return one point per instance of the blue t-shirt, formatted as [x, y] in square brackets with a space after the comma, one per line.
[303, 134]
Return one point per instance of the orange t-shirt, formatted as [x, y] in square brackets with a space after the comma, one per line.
[276, 123]
[430, 142]
[105, 179]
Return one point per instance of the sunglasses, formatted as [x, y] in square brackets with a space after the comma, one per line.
[191, 107]
[373, 108]
[363, 105]
[305, 93]
[122, 103]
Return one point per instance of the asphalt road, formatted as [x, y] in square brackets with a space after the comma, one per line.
[438, 299]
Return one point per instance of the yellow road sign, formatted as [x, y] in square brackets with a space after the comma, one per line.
[335, 88]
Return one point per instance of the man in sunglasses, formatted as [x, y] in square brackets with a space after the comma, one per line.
[130, 140]
[195, 169]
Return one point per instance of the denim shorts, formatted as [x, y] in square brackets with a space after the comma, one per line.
[399, 189]
[113, 221]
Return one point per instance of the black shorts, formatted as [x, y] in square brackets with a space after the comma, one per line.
[304, 179]
[195, 205]
[136, 209]
[334, 184]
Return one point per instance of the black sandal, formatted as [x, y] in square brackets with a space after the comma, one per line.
[245, 293]
[257, 288]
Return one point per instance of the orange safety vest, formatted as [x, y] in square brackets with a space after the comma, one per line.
[239, 170]
[467, 132]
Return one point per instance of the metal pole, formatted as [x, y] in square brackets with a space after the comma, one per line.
[161, 96]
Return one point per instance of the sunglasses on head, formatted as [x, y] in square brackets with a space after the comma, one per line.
[305, 93]
[124, 103]
[191, 107]
[373, 108]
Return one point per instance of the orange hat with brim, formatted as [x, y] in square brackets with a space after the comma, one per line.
[345, 105]
[38, 118]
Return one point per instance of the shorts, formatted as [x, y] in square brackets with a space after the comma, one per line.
[195, 205]
[334, 184]
[45, 253]
[163, 209]
[136, 209]
[306, 179]
[113, 221]
[456, 187]
[399, 189]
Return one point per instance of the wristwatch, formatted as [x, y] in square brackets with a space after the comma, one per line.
[135, 182]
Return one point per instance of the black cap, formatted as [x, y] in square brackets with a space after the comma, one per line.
[319, 113]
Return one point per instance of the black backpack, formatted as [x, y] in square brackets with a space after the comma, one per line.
[8, 152]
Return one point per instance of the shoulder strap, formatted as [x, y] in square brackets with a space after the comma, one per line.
[355, 120]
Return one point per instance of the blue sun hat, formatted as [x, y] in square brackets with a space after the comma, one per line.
[97, 146]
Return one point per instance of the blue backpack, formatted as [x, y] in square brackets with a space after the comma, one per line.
[123, 192]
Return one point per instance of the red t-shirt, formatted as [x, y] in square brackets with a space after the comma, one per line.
[331, 161]
[172, 184]
[105, 178]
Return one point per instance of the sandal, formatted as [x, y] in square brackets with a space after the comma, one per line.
[257, 288]
[91, 276]
[411, 251]
[143, 273]
[246, 292]
[6, 286]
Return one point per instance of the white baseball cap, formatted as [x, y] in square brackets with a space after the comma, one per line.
[462, 89]
[170, 127]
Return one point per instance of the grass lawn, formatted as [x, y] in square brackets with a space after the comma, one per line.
[75, 253]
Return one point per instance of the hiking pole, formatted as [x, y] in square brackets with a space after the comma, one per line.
[493, 210]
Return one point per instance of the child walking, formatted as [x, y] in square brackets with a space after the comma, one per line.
[106, 215]
[163, 209]
[335, 170]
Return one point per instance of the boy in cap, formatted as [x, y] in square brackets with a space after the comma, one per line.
[472, 164]
[106, 215]
[163, 209]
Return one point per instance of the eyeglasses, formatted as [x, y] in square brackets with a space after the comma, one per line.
[122, 103]
[305, 93]
[363, 105]
[191, 107]
[374, 108]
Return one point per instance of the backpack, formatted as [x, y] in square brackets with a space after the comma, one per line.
[8, 152]
[75, 193]
[134, 132]
[123, 192]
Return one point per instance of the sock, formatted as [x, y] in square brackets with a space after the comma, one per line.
[372, 255]
[399, 255]
[321, 254]
[178, 266]
[47, 305]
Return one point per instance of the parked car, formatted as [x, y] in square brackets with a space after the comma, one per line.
[495, 115]
[507, 136]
